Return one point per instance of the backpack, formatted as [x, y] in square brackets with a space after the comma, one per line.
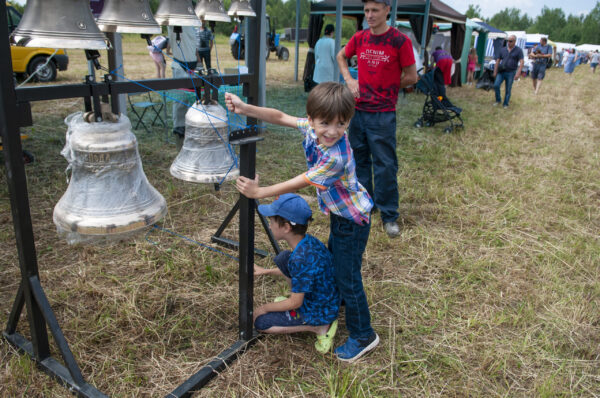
[160, 42]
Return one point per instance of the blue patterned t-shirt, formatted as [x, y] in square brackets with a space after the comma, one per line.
[311, 271]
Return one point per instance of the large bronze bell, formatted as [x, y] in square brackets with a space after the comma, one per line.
[128, 16]
[206, 155]
[241, 8]
[59, 24]
[212, 10]
[108, 194]
[176, 13]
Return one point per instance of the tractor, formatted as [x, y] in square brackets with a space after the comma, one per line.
[236, 40]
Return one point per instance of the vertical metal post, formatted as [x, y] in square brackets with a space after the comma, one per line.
[297, 40]
[393, 13]
[256, 60]
[246, 254]
[424, 31]
[338, 37]
[261, 76]
[17, 188]
[115, 59]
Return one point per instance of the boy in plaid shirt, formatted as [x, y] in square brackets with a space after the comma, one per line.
[331, 169]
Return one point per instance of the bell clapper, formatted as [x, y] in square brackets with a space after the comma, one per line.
[178, 30]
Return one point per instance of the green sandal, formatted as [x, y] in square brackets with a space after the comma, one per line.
[325, 341]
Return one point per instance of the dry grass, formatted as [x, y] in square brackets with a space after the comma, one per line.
[491, 290]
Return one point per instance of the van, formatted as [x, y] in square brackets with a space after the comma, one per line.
[27, 60]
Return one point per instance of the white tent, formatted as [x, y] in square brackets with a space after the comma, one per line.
[534, 38]
[588, 47]
[563, 46]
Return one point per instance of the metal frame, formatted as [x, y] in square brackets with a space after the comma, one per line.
[15, 112]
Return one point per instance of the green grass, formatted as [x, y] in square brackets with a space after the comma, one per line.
[492, 289]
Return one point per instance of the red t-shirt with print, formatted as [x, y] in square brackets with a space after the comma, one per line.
[380, 62]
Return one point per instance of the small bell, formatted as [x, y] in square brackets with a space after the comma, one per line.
[212, 10]
[59, 24]
[206, 155]
[176, 13]
[241, 8]
[128, 16]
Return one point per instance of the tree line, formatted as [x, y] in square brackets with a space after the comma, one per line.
[554, 22]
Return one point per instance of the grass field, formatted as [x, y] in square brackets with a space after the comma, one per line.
[492, 289]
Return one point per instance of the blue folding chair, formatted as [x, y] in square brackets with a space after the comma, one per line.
[140, 104]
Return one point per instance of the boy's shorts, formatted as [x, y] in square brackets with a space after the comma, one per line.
[283, 318]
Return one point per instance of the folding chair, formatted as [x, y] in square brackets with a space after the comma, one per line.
[143, 103]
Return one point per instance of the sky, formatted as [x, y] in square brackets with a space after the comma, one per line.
[532, 7]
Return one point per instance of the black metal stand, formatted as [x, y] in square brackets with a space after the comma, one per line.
[239, 137]
[218, 239]
[15, 112]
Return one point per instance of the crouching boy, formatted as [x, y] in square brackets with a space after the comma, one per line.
[314, 302]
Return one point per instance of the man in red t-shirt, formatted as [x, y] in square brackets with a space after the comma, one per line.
[386, 64]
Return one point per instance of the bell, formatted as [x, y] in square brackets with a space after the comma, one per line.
[128, 16]
[212, 10]
[108, 194]
[241, 8]
[59, 24]
[176, 13]
[206, 155]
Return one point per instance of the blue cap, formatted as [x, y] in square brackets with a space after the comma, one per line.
[289, 206]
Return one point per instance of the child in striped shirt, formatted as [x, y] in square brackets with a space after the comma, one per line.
[331, 169]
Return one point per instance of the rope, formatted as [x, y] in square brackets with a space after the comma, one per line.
[37, 70]
[187, 239]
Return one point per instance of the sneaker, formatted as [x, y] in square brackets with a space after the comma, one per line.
[353, 349]
[495, 104]
[391, 228]
[505, 106]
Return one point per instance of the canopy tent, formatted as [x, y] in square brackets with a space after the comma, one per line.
[495, 39]
[587, 47]
[438, 10]
[414, 10]
[493, 33]
[482, 35]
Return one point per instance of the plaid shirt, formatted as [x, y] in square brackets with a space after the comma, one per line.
[203, 39]
[332, 171]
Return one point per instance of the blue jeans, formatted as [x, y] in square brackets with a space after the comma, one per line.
[509, 76]
[373, 140]
[347, 242]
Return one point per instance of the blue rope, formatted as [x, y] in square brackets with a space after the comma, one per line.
[185, 238]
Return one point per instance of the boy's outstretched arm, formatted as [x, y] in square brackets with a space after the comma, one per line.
[250, 188]
[269, 115]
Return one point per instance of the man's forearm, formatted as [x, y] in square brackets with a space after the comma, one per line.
[343, 65]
